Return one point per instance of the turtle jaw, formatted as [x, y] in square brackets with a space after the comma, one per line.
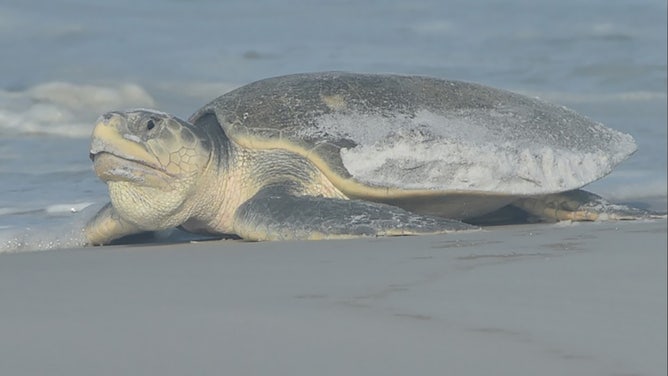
[113, 168]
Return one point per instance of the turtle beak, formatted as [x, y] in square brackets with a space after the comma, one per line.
[111, 135]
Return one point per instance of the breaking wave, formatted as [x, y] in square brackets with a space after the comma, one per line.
[65, 109]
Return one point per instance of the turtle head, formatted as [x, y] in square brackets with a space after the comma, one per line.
[151, 162]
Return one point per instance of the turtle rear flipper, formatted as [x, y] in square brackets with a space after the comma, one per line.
[580, 205]
[276, 214]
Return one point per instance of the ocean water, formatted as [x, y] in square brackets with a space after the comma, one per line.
[66, 61]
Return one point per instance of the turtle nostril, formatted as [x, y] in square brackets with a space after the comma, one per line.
[150, 125]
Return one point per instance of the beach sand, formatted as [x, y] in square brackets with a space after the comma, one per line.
[555, 299]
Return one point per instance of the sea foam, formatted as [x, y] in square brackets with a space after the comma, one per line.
[65, 109]
[64, 229]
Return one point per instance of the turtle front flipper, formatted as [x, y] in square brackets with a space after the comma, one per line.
[106, 226]
[276, 214]
[580, 205]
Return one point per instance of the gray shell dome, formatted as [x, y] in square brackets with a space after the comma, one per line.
[417, 133]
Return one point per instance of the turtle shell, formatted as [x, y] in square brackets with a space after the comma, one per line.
[392, 135]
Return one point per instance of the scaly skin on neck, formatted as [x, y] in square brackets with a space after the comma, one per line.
[220, 190]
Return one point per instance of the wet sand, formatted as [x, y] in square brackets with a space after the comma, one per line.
[576, 299]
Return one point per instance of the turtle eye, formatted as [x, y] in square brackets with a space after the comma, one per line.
[150, 124]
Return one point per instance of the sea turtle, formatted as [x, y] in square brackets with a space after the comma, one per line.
[336, 155]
